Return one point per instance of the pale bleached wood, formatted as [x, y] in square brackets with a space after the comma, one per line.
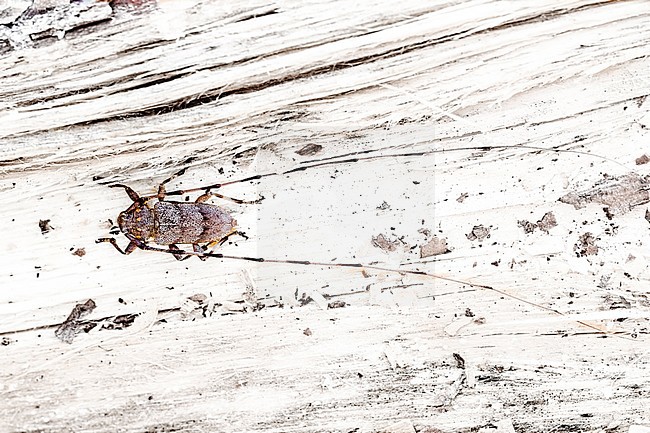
[410, 105]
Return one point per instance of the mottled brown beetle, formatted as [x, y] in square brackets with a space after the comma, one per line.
[152, 219]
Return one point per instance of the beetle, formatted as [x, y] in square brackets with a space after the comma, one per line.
[152, 219]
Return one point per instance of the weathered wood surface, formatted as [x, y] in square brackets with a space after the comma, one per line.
[418, 120]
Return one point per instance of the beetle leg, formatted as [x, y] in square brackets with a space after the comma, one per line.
[179, 257]
[196, 247]
[132, 194]
[170, 250]
[161, 188]
[220, 242]
[209, 194]
[200, 250]
[129, 249]
[234, 232]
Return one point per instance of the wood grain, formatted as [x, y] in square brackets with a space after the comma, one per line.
[467, 121]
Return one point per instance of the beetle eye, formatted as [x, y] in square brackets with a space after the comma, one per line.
[120, 219]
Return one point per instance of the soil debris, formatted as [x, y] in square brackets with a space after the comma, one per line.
[122, 321]
[478, 233]
[586, 245]
[385, 244]
[460, 361]
[647, 215]
[79, 252]
[199, 298]
[643, 159]
[304, 299]
[618, 194]
[547, 222]
[309, 150]
[615, 302]
[72, 326]
[527, 226]
[336, 304]
[462, 197]
[45, 226]
[434, 247]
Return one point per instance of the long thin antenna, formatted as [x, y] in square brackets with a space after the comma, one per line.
[332, 161]
[372, 267]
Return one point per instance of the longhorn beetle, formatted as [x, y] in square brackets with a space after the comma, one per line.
[153, 219]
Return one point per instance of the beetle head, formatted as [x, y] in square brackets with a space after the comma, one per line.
[136, 221]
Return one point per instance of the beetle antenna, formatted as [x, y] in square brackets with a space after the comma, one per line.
[375, 268]
[132, 194]
[219, 185]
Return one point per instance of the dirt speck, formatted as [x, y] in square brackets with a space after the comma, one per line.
[383, 206]
[386, 244]
[434, 247]
[647, 215]
[307, 332]
[608, 213]
[72, 326]
[615, 302]
[547, 222]
[304, 299]
[586, 245]
[199, 298]
[79, 252]
[462, 197]
[336, 304]
[309, 150]
[527, 226]
[514, 262]
[460, 361]
[119, 322]
[643, 159]
[478, 233]
[45, 226]
[6, 341]
[134, 5]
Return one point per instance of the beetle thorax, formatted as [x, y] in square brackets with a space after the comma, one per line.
[137, 221]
